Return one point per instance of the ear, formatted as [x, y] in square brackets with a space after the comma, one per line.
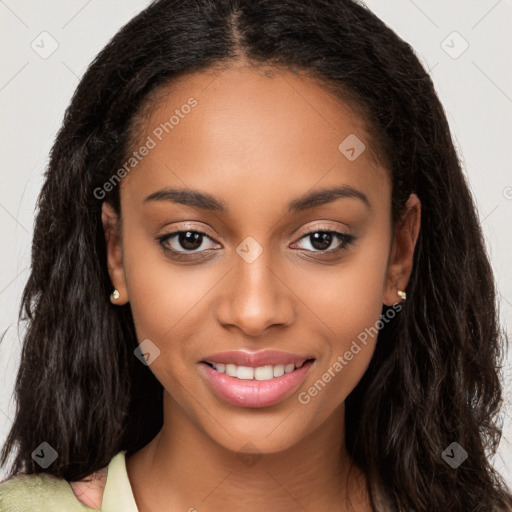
[402, 251]
[112, 228]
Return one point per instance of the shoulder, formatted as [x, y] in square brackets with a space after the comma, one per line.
[38, 493]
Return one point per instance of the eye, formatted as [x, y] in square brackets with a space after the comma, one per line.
[322, 240]
[185, 243]
[190, 244]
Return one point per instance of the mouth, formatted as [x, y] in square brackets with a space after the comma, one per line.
[254, 384]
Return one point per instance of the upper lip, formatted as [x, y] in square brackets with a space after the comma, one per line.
[255, 359]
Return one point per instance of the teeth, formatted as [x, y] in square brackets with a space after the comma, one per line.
[245, 372]
[230, 369]
[278, 370]
[266, 372]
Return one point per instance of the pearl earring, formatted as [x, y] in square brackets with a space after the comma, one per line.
[401, 294]
[115, 295]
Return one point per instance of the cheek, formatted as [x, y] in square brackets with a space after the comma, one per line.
[346, 304]
[162, 294]
[164, 299]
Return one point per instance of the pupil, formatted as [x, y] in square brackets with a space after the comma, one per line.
[189, 239]
[322, 238]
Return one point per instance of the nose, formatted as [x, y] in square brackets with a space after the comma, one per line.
[256, 297]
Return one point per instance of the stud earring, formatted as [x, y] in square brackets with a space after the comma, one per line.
[115, 295]
[401, 294]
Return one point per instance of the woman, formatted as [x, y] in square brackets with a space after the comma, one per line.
[258, 278]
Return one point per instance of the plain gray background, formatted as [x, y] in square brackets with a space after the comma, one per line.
[47, 45]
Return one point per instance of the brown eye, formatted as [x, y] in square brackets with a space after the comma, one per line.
[321, 241]
[185, 243]
[190, 239]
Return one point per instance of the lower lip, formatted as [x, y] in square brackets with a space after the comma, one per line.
[255, 393]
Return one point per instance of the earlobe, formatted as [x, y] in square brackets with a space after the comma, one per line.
[115, 295]
[402, 252]
[112, 230]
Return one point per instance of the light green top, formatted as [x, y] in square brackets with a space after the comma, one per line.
[45, 493]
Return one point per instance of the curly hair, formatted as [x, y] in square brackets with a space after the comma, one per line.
[434, 376]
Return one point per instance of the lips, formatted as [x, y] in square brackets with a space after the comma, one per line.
[244, 378]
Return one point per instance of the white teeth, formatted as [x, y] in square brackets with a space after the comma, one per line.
[266, 372]
[230, 369]
[245, 372]
[278, 370]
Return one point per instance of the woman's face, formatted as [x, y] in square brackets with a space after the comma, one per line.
[280, 269]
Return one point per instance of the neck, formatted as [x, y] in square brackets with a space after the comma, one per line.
[182, 468]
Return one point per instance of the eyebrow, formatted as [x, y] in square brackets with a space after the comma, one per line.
[205, 201]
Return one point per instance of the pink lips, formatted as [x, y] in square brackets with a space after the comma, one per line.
[255, 393]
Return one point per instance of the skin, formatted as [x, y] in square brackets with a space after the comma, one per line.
[257, 140]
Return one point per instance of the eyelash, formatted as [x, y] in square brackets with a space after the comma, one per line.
[344, 238]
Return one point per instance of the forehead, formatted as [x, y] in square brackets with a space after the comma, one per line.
[250, 131]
